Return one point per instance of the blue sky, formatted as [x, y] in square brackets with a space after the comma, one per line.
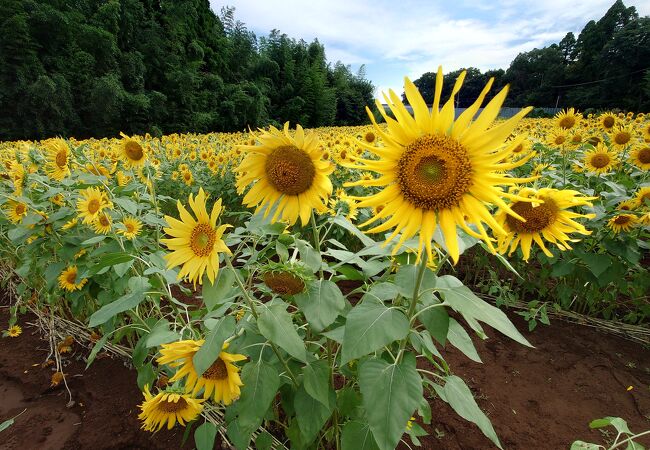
[410, 37]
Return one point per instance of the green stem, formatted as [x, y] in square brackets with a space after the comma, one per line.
[414, 299]
[314, 229]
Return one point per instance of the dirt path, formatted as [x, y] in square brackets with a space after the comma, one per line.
[540, 398]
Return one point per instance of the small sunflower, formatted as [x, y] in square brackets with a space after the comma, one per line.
[622, 222]
[14, 331]
[640, 156]
[643, 196]
[344, 205]
[196, 244]
[547, 216]
[132, 227]
[92, 201]
[132, 153]
[567, 119]
[607, 121]
[621, 136]
[68, 280]
[220, 381]
[168, 407]
[102, 224]
[600, 160]
[557, 138]
[16, 211]
[58, 157]
[288, 173]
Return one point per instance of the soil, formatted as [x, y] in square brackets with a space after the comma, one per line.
[541, 398]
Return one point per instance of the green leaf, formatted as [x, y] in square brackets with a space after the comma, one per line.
[312, 414]
[140, 352]
[472, 308]
[460, 398]
[146, 375]
[391, 393]
[309, 256]
[96, 348]
[261, 383]
[618, 423]
[161, 334]
[217, 293]
[371, 325]
[581, 445]
[6, 424]
[459, 338]
[264, 441]
[93, 240]
[204, 436]
[128, 205]
[213, 344]
[407, 277]
[435, 320]
[316, 381]
[357, 436]
[321, 303]
[275, 324]
[124, 303]
[597, 263]
[345, 223]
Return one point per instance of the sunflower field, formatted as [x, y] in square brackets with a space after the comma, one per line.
[293, 288]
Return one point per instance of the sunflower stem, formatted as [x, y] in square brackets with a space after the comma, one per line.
[316, 233]
[414, 298]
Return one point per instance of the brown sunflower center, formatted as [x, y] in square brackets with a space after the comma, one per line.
[567, 122]
[594, 140]
[19, 209]
[61, 159]
[217, 371]
[537, 217]
[170, 406]
[559, 140]
[434, 172]
[93, 206]
[129, 227]
[203, 239]
[71, 277]
[290, 170]
[369, 137]
[284, 283]
[622, 220]
[644, 155]
[609, 122]
[600, 160]
[133, 151]
[622, 137]
[576, 138]
[103, 220]
[518, 148]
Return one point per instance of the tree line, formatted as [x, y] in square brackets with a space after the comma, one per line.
[98, 67]
[606, 67]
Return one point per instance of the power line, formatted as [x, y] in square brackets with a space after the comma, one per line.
[600, 81]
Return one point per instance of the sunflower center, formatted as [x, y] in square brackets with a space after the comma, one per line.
[217, 371]
[290, 170]
[133, 151]
[609, 122]
[129, 227]
[576, 138]
[621, 220]
[103, 220]
[644, 155]
[71, 278]
[20, 209]
[518, 148]
[600, 160]
[169, 406]
[537, 217]
[434, 172]
[622, 138]
[284, 283]
[93, 206]
[61, 159]
[202, 239]
[567, 122]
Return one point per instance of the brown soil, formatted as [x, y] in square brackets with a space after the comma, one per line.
[540, 398]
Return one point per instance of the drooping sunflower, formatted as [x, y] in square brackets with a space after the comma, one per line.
[58, 156]
[132, 227]
[640, 156]
[16, 211]
[567, 119]
[607, 121]
[132, 152]
[167, 408]
[220, 381]
[92, 201]
[621, 136]
[288, 173]
[68, 280]
[102, 224]
[196, 244]
[437, 171]
[600, 160]
[286, 278]
[547, 218]
[622, 222]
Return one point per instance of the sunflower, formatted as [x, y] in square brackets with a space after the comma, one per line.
[607, 121]
[286, 278]
[68, 280]
[557, 137]
[92, 201]
[640, 156]
[547, 216]
[131, 152]
[102, 224]
[621, 136]
[622, 222]
[567, 119]
[132, 227]
[58, 156]
[220, 381]
[437, 171]
[344, 205]
[287, 173]
[645, 131]
[168, 407]
[58, 199]
[187, 177]
[643, 196]
[16, 211]
[14, 331]
[600, 160]
[196, 244]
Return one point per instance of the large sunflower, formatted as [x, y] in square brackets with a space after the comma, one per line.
[58, 158]
[640, 156]
[168, 408]
[91, 202]
[288, 173]
[600, 160]
[196, 244]
[547, 216]
[437, 171]
[221, 380]
[132, 152]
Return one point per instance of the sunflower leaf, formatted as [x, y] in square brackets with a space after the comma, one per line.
[321, 303]
[276, 325]
[357, 436]
[210, 350]
[204, 436]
